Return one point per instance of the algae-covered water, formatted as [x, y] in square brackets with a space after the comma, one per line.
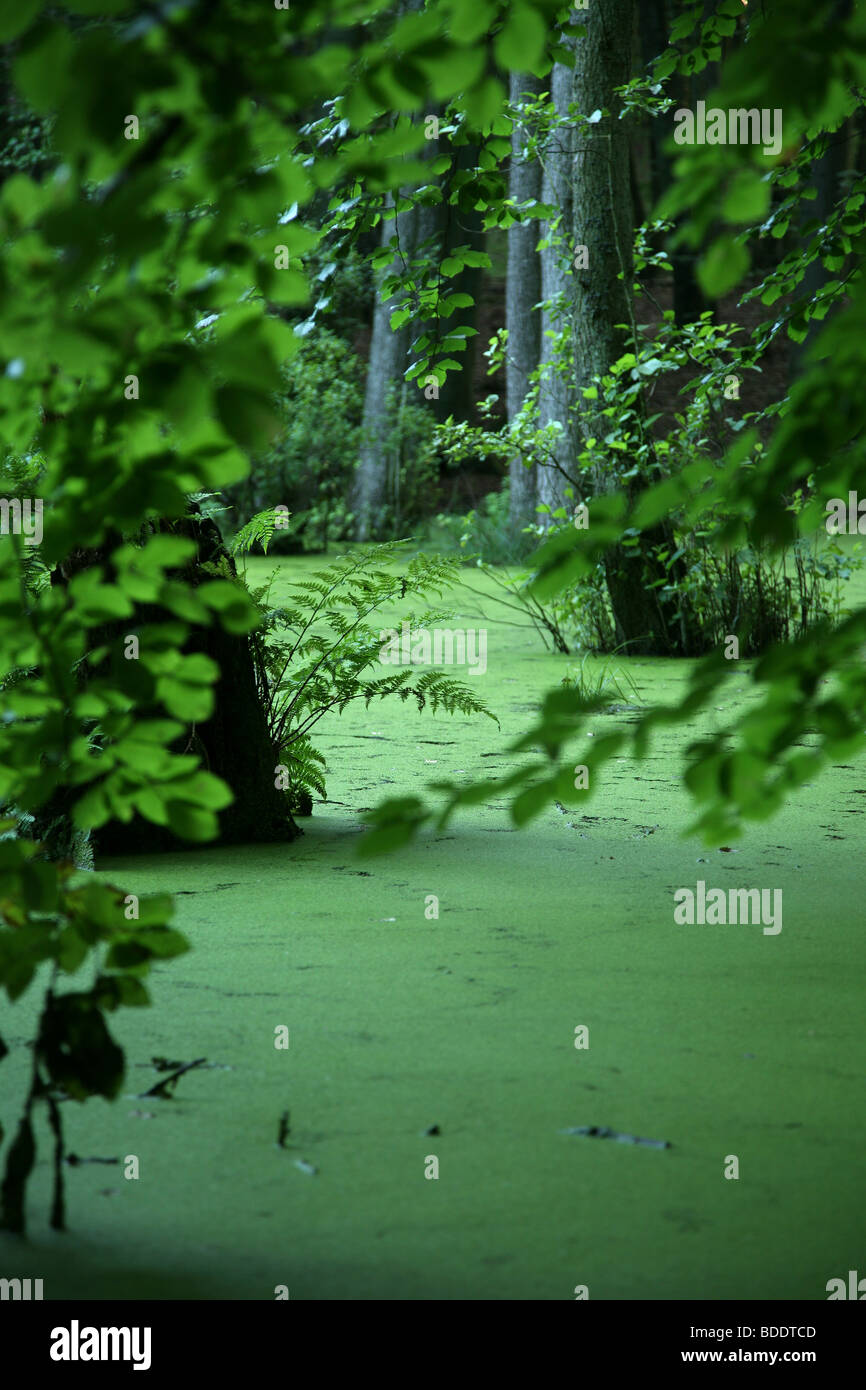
[722, 1041]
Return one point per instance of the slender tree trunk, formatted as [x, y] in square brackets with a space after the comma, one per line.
[385, 367]
[654, 37]
[602, 216]
[460, 227]
[654, 22]
[603, 222]
[556, 393]
[383, 391]
[522, 294]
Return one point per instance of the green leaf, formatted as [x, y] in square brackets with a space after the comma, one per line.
[16, 16]
[72, 950]
[42, 69]
[723, 266]
[191, 703]
[208, 790]
[747, 198]
[158, 553]
[191, 823]
[243, 358]
[163, 941]
[456, 70]
[469, 22]
[249, 418]
[155, 910]
[394, 824]
[520, 43]
[484, 103]
[92, 810]
[530, 802]
[111, 991]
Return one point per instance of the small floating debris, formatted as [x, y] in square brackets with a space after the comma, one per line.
[431, 1129]
[603, 1132]
[309, 1168]
[74, 1160]
[164, 1089]
[284, 1130]
[163, 1064]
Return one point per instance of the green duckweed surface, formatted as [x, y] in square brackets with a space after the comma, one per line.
[720, 1040]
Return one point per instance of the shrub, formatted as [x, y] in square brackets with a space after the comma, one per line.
[310, 465]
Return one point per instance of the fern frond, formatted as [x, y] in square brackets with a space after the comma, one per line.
[320, 651]
[306, 767]
[257, 531]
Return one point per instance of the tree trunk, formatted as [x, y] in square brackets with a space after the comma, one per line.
[385, 388]
[386, 364]
[556, 393]
[654, 27]
[459, 227]
[654, 36]
[234, 743]
[603, 222]
[602, 217]
[522, 294]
